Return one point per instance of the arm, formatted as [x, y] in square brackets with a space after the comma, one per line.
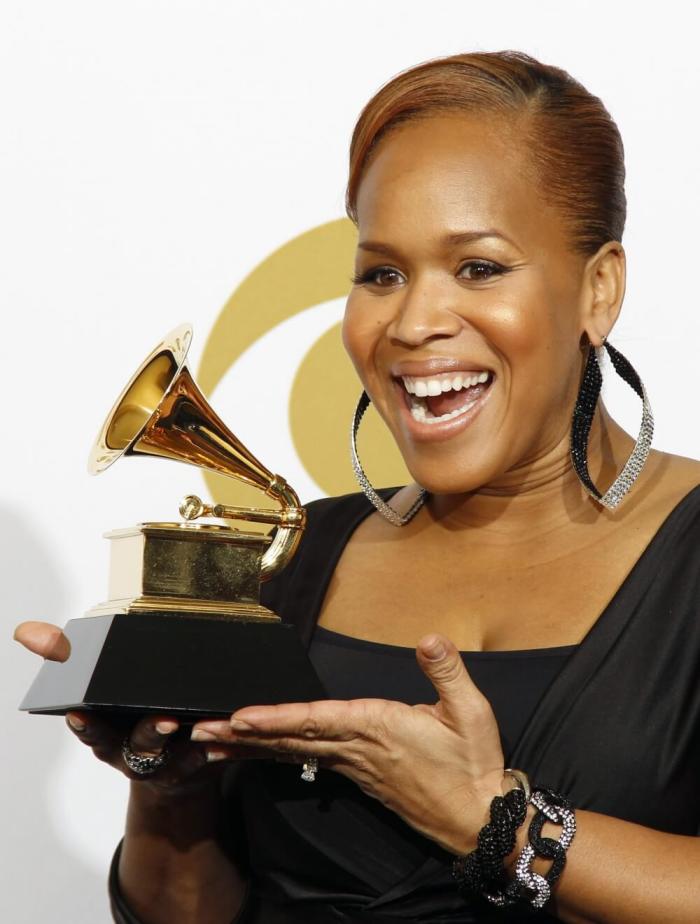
[438, 767]
[173, 868]
[618, 872]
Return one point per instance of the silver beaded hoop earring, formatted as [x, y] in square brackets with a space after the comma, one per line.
[584, 411]
[386, 510]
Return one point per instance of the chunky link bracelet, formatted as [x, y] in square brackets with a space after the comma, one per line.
[527, 883]
[481, 872]
[555, 808]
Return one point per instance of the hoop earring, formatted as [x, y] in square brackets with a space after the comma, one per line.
[584, 410]
[388, 512]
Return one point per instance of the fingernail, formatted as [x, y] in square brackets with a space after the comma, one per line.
[75, 723]
[436, 651]
[240, 725]
[216, 755]
[198, 734]
[166, 728]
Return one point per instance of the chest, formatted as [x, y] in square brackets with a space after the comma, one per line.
[484, 596]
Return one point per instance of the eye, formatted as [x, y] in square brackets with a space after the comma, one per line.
[480, 270]
[383, 276]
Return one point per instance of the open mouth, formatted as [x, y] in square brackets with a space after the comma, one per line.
[438, 398]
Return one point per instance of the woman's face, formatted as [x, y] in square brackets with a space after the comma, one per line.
[464, 323]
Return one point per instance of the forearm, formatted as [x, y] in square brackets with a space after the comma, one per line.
[622, 873]
[173, 869]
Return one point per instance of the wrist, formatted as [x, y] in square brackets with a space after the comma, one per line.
[177, 796]
[462, 836]
[187, 817]
[465, 823]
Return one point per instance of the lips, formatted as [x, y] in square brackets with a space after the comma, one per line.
[439, 402]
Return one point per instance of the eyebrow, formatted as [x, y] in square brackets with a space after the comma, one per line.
[449, 240]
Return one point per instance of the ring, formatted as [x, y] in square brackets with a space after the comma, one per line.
[143, 766]
[310, 770]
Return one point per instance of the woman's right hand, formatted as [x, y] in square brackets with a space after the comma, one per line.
[190, 765]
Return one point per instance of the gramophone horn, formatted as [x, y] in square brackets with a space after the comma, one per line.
[162, 412]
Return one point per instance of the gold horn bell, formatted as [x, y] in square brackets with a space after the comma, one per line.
[161, 412]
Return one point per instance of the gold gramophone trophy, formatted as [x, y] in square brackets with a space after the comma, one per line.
[183, 631]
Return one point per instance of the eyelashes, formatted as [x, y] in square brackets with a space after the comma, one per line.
[485, 270]
[370, 276]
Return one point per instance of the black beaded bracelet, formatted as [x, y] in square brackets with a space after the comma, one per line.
[482, 870]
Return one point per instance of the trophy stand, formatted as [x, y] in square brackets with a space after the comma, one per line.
[183, 631]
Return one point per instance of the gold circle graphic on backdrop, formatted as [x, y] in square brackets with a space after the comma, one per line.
[307, 271]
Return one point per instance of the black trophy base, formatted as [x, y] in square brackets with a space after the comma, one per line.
[183, 665]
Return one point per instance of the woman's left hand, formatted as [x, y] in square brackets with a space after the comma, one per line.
[437, 766]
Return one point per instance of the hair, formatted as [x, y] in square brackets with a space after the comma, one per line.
[573, 143]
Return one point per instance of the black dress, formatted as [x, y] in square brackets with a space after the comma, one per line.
[614, 723]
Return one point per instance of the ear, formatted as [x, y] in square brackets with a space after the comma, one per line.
[603, 289]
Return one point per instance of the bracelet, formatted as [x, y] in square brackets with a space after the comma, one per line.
[482, 870]
[555, 808]
[529, 884]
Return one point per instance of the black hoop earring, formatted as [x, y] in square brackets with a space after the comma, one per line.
[584, 411]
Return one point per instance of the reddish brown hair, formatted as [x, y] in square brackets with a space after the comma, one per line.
[574, 145]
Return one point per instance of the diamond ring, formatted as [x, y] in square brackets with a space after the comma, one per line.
[141, 765]
[310, 769]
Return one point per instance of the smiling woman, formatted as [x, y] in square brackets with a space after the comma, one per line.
[520, 630]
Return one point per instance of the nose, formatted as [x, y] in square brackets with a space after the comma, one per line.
[423, 313]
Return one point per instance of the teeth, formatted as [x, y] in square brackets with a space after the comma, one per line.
[437, 384]
[421, 388]
[420, 412]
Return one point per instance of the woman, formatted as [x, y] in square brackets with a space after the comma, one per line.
[488, 194]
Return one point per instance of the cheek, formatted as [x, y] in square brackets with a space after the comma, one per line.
[514, 330]
[537, 339]
[534, 332]
[361, 332]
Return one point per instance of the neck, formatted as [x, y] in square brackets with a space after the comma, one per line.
[541, 494]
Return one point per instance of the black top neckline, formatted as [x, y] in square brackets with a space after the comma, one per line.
[353, 642]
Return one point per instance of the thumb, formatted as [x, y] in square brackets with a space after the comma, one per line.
[460, 699]
[43, 639]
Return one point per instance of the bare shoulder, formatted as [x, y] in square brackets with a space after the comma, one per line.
[669, 479]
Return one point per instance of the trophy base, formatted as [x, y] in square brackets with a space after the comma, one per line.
[178, 664]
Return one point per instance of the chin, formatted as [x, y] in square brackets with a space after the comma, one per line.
[444, 476]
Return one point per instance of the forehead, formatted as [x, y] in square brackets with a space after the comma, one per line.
[455, 172]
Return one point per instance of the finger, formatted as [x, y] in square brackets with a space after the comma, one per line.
[219, 731]
[269, 747]
[461, 701]
[220, 736]
[150, 735]
[77, 722]
[96, 734]
[337, 720]
[286, 757]
[220, 752]
[43, 639]
[212, 730]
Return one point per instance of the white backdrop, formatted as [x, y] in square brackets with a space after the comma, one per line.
[152, 153]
